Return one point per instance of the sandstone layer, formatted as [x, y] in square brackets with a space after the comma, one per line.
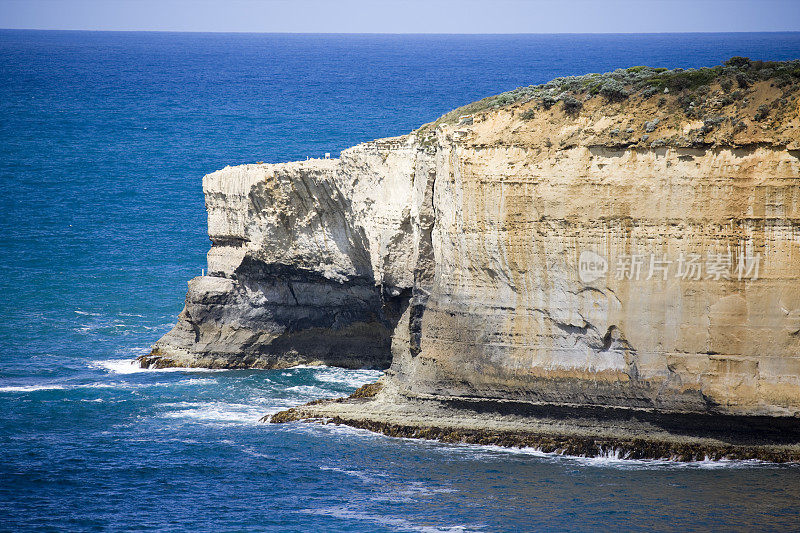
[638, 253]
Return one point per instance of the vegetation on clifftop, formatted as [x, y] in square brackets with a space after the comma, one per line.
[692, 87]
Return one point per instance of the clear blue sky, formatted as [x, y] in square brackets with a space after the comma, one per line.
[405, 16]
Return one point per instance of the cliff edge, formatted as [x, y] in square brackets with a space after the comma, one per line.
[619, 246]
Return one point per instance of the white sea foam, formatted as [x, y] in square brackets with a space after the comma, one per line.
[125, 323]
[197, 381]
[611, 459]
[223, 412]
[59, 386]
[253, 453]
[119, 366]
[128, 366]
[400, 524]
[117, 385]
[308, 390]
[98, 385]
[365, 477]
[270, 406]
[419, 488]
[351, 378]
[300, 367]
[347, 432]
[31, 388]
[159, 327]
[101, 325]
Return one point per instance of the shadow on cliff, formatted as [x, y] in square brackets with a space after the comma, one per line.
[733, 429]
[347, 324]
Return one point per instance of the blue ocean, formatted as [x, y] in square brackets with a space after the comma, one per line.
[104, 139]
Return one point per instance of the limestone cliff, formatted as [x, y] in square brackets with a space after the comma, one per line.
[628, 241]
[306, 264]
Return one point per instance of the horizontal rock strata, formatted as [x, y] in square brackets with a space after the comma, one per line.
[565, 430]
[624, 254]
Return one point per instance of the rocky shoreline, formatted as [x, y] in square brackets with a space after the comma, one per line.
[609, 261]
[574, 431]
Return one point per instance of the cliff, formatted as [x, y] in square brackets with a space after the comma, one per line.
[622, 243]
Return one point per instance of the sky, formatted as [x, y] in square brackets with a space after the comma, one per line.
[405, 16]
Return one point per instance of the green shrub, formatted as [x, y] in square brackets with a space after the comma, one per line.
[549, 101]
[738, 62]
[650, 91]
[680, 80]
[614, 91]
[572, 105]
[742, 80]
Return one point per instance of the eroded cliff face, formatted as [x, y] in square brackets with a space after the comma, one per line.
[598, 258]
[310, 263]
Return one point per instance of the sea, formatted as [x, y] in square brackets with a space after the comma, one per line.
[104, 139]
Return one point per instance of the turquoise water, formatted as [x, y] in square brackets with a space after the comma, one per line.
[104, 138]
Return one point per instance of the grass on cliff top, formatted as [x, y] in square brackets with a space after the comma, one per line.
[735, 74]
